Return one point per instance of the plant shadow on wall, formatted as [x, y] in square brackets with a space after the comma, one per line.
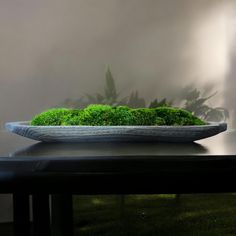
[191, 98]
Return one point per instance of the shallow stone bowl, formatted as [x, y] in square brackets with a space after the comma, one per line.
[115, 133]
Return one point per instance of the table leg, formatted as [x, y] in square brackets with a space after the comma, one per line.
[41, 215]
[121, 205]
[62, 214]
[21, 214]
[177, 197]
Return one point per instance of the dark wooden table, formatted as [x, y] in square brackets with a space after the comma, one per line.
[60, 170]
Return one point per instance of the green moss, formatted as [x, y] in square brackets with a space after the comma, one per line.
[96, 115]
[53, 116]
[160, 121]
[122, 115]
[72, 118]
[177, 116]
[100, 115]
[106, 115]
[144, 116]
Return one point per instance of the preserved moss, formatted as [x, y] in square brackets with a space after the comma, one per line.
[101, 115]
[72, 118]
[122, 115]
[54, 116]
[96, 115]
[144, 116]
[177, 116]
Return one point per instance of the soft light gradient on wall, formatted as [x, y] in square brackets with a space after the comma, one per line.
[54, 49]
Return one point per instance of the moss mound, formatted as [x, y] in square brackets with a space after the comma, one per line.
[96, 115]
[51, 117]
[177, 116]
[100, 115]
[146, 116]
[72, 117]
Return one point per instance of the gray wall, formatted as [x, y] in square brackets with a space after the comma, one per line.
[54, 49]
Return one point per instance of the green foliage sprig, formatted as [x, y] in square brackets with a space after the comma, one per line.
[196, 103]
[192, 98]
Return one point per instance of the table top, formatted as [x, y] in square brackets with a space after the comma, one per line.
[207, 165]
[14, 146]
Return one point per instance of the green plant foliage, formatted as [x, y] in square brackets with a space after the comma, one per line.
[80, 103]
[53, 116]
[110, 95]
[110, 89]
[177, 116]
[192, 98]
[162, 103]
[100, 115]
[135, 101]
[195, 103]
[217, 114]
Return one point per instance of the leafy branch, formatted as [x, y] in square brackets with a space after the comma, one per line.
[192, 98]
[196, 103]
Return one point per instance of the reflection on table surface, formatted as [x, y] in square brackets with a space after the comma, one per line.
[106, 149]
[222, 144]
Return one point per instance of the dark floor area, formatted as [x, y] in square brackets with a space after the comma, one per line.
[141, 215]
[168, 215]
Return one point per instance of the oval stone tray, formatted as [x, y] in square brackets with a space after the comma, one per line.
[115, 133]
